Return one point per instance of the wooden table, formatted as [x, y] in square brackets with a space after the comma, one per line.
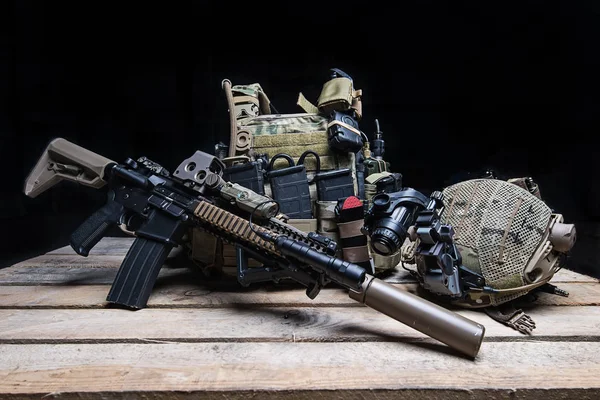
[216, 340]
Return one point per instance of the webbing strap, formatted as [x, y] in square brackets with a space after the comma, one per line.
[345, 125]
[502, 245]
[350, 219]
[306, 105]
[264, 103]
[245, 99]
[357, 255]
[357, 103]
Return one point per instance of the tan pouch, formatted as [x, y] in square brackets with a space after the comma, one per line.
[337, 95]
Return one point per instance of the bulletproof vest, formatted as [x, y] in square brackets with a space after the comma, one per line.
[308, 186]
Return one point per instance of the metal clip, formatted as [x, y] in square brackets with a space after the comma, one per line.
[521, 322]
[514, 318]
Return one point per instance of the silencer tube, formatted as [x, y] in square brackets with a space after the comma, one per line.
[435, 321]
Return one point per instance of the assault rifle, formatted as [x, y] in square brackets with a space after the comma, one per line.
[160, 208]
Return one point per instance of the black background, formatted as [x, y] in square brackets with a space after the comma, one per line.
[457, 88]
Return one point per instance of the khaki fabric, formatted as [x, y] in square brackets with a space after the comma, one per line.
[337, 94]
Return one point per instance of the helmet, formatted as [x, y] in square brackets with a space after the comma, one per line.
[506, 234]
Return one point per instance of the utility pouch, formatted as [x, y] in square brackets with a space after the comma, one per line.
[335, 184]
[343, 133]
[375, 166]
[350, 219]
[289, 187]
[336, 95]
[387, 182]
[249, 175]
[390, 184]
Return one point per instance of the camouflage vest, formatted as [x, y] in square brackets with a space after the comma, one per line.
[257, 131]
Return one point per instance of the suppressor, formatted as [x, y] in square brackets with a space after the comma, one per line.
[435, 321]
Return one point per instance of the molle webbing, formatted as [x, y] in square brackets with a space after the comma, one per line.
[273, 124]
[294, 144]
[350, 219]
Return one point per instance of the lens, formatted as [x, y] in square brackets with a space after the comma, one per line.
[381, 248]
[385, 241]
[390, 217]
[381, 200]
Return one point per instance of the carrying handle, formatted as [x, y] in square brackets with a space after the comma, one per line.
[289, 159]
[311, 152]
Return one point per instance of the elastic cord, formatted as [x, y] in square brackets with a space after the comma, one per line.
[263, 235]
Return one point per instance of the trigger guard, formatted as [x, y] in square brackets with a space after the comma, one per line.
[123, 222]
[123, 227]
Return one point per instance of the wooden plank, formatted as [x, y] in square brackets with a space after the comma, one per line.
[58, 261]
[67, 261]
[323, 324]
[502, 368]
[174, 294]
[566, 275]
[114, 246]
[110, 251]
[75, 275]
[181, 292]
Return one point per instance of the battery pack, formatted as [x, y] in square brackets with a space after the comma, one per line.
[335, 184]
[249, 175]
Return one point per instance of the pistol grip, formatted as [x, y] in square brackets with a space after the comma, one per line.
[138, 272]
[94, 228]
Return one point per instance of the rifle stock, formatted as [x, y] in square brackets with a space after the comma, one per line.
[63, 160]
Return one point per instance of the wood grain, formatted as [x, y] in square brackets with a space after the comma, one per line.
[213, 339]
[206, 367]
[323, 394]
[54, 263]
[179, 292]
[291, 324]
[106, 246]
[80, 275]
[70, 261]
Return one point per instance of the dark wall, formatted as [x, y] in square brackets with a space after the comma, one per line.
[457, 89]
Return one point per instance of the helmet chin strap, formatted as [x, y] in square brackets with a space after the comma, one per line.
[515, 289]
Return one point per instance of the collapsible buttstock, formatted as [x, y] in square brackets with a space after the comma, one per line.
[65, 160]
